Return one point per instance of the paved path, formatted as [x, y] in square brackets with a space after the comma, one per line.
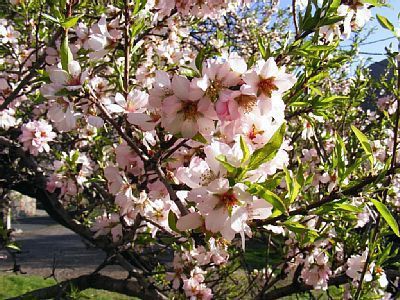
[43, 243]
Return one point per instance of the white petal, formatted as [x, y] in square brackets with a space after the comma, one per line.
[59, 76]
[74, 68]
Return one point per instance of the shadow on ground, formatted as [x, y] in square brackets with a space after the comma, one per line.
[45, 245]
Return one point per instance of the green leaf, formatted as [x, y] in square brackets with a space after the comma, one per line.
[63, 3]
[245, 149]
[50, 18]
[172, 221]
[376, 3]
[222, 159]
[292, 185]
[331, 20]
[258, 190]
[352, 168]
[303, 233]
[65, 53]
[334, 5]
[13, 247]
[70, 22]
[385, 213]
[199, 138]
[269, 150]
[385, 23]
[364, 143]
[319, 76]
[349, 207]
[189, 72]
[200, 58]
[340, 153]
[263, 47]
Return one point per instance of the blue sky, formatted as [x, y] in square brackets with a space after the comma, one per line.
[379, 33]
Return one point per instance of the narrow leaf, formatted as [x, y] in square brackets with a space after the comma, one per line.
[172, 219]
[364, 143]
[65, 53]
[269, 150]
[385, 213]
[258, 190]
[50, 18]
[222, 159]
[70, 22]
[245, 149]
[385, 23]
[376, 3]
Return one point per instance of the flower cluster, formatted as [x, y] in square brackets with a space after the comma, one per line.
[208, 8]
[355, 15]
[180, 128]
[188, 268]
[70, 175]
[36, 135]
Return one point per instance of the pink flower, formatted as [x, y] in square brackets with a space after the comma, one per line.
[266, 80]
[226, 107]
[102, 37]
[136, 101]
[165, 6]
[128, 160]
[114, 179]
[316, 270]
[355, 266]
[161, 90]
[71, 80]
[36, 135]
[108, 224]
[8, 35]
[254, 128]
[317, 276]
[187, 112]
[227, 209]
[62, 114]
[7, 118]
[197, 174]
[189, 221]
[216, 77]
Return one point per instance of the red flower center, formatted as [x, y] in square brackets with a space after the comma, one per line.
[267, 86]
[189, 110]
[253, 133]
[228, 199]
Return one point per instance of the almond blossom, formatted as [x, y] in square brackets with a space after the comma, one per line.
[136, 101]
[108, 224]
[187, 111]
[355, 265]
[7, 119]
[72, 79]
[227, 209]
[265, 80]
[101, 37]
[216, 77]
[36, 135]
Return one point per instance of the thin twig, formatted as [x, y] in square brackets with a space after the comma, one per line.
[126, 48]
[183, 210]
[385, 192]
[110, 120]
[296, 27]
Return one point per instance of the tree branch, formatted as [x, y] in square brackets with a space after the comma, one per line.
[351, 191]
[295, 287]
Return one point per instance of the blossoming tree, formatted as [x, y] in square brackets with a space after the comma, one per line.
[213, 149]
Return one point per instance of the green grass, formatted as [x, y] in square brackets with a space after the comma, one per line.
[16, 285]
